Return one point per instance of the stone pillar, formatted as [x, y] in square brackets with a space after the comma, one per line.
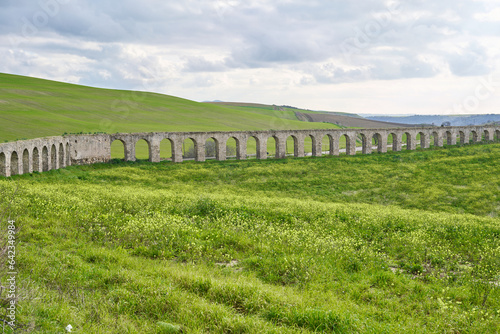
[334, 146]
[261, 148]
[30, 162]
[317, 147]
[241, 148]
[439, 142]
[154, 150]
[281, 146]
[367, 143]
[176, 144]
[299, 151]
[199, 149]
[351, 148]
[397, 142]
[411, 141]
[453, 139]
[221, 148]
[7, 163]
[425, 143]
[129, 145]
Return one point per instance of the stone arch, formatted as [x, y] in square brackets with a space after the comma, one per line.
[294, 142]
[328, 144]
[14, 163]
[272, 150]
[61, 156]
[45, 159]
[211, 148]
[166, 149]
[233, 151]
[348, 146]
[252, 147]
[118, 149]
[36, 160]
[473, 136]
[435, 138]
[409, 141]
[392, 139]
[142, 149]
[53, 157]
[366, 143]
[189, 149]
[423, 139]
[378, 141]
[26, 162]
[313, 142]
[486, 135]
[3, 160]
[461, 135]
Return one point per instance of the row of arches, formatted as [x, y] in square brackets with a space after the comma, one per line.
[36, 159]
[38, 155]
[275, 146]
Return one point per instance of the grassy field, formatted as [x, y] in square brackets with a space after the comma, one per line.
[31, 108]
[403, 242]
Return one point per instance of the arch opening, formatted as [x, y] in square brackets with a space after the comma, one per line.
[434, 139]
[142, 150]
[497, 134]
[26, 162]
[232, 148]
[53, 157]
[189, 149]
[377, 142]
[252, 147]
[473, 137]
[291, 146]
[45, 159]
[327, 145]
[309, 143]
[345, 144]
[272, 147]
[486, 136]
[461, 137]
[421, 139]
[211, 148]
[3, 172]
[407, 140]
[14, 164]
[166, 149]
[36, 160]
[392, 142]
[118, 149]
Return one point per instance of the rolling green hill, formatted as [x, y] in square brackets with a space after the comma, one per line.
[31, 108]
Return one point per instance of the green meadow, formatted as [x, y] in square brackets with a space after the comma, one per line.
[403, 242]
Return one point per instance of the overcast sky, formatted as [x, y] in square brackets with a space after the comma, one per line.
[371, 56]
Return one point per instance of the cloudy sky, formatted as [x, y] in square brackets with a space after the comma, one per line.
[370, 56]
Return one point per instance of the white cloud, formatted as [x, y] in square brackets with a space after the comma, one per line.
[282, 51]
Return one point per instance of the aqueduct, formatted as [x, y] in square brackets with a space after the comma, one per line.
[44, 154]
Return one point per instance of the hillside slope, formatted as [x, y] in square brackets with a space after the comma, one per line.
[31, 108]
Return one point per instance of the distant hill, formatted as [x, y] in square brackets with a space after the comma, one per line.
[31, 107]
[341, 119]
[454, 120]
